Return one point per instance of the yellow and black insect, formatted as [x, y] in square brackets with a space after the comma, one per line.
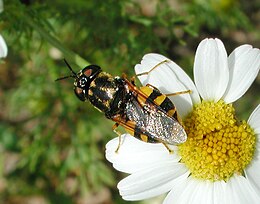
[144, 112]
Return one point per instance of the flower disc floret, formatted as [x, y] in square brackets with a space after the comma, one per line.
[218, 146]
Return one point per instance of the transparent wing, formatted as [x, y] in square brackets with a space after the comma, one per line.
[154, 122]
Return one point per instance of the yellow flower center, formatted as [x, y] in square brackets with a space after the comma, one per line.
[218, 145]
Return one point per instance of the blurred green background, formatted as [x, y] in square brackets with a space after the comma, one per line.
[52, 145]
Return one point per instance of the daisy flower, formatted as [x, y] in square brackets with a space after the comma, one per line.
[3, 47]
[220, 161]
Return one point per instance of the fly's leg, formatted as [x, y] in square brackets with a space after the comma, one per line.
[171, 94]
[179, 93]
[132, 79]
[156, 66]
[150, 85]
[114, 127]
[168, 148]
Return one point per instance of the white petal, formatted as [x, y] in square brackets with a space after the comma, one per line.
[3, 47]
[254, 120]
[177, 191]
[192, 192]
[237, 190]
[219, 192]
[244, 65]
[1, 6]
[182, 192]
[198, 192]
[252, 172]
[168, 78]
[240, 191]
[135, 155]
[211, 69]
[152, 181]
[204, 192]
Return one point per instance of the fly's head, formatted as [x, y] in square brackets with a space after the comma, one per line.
[82, 79]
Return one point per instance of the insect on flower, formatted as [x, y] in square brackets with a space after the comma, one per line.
[144, 112]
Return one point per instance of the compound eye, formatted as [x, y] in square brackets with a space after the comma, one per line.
[80, 93]
[87, 72]
[91, 70]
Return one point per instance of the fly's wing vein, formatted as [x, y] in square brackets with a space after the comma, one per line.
[155, 123]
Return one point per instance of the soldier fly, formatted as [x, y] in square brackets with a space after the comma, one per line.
[144, 112]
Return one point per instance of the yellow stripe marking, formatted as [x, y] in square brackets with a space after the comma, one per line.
[160, 99]
[144, 138]
[130, 131]
[171, 112]
[146, 90]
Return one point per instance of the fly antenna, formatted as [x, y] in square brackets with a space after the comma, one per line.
[74, 75]
[65, 77]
